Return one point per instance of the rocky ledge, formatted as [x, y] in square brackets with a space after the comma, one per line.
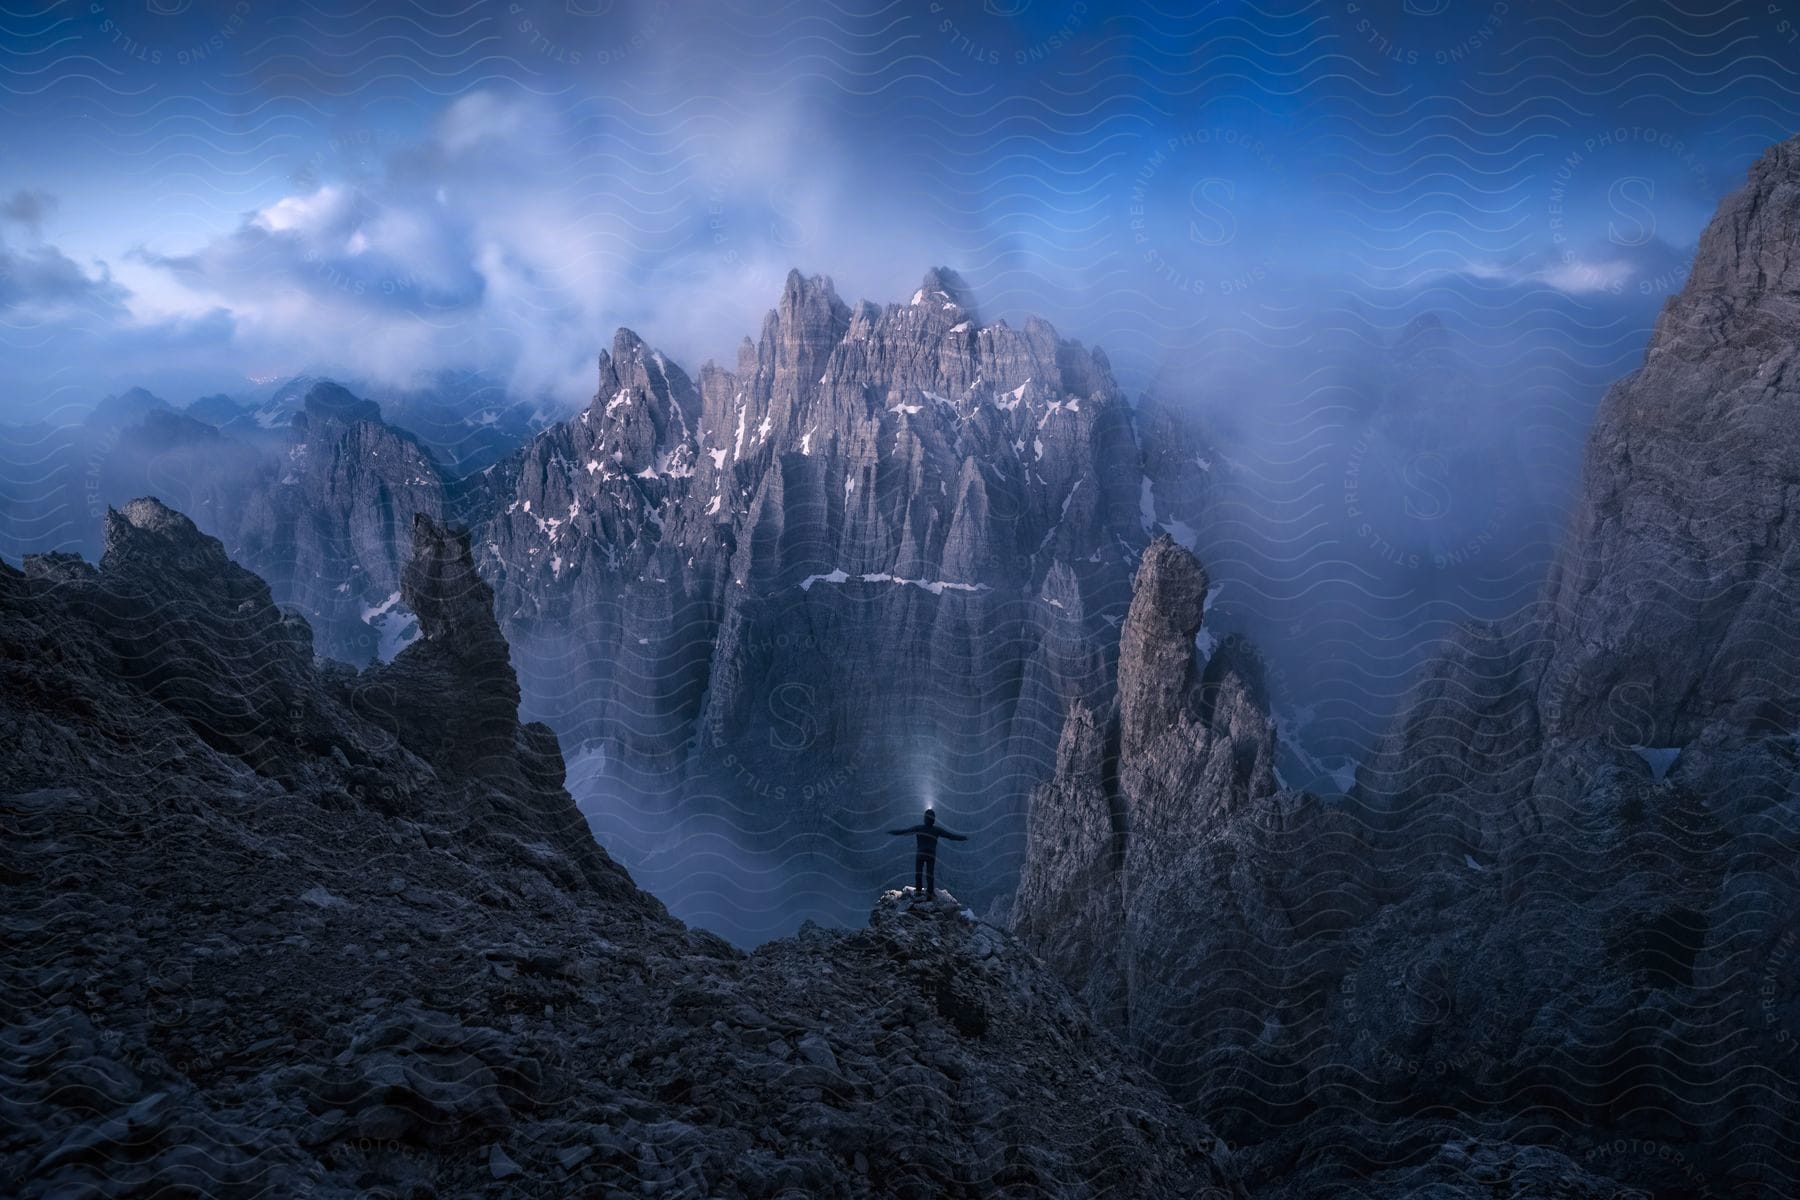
[266, 935]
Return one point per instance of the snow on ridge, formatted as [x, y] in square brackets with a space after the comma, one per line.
[371, 611]
[936, 587]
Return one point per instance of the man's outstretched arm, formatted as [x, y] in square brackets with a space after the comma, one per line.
[955, 837]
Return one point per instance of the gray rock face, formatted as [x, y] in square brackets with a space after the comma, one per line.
[1669, 611]
[1135, 792]
[1548, 937]
[260, 941]
[320, 505]
[329, 523]
[877, 557]
[1344, 1006]
[454, 695]
[1672, 605]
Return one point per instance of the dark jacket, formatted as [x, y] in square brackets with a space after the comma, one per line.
[928, 837]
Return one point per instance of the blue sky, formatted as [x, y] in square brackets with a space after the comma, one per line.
[197, 195]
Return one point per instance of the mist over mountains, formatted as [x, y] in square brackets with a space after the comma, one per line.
[701, 574]
[504, 526]
[1541, 946]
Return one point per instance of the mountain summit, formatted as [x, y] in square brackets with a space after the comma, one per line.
[703, 574]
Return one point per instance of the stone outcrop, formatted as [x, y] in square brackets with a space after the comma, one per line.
[262, 940]
[1139, 790]
[451, 696]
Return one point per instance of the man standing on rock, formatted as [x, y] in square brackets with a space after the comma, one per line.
[925, 862]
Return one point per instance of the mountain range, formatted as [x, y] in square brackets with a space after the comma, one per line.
[280, 920]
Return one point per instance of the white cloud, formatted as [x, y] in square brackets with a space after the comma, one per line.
[481, 117]
[307, 214]
[494, 245]
[1605, 268]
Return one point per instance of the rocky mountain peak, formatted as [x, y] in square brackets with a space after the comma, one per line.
[943, 287]
[149, 515]
[147, 540]
[129, 406]
[803, 327]
[1667, 618]
[1752, 244]
[1157, 660]
[644, 409]
[951, 508]
[1145, 795]
[452, 695]
[810, 301]
[800, 290]
[455, 606]
[328, 401]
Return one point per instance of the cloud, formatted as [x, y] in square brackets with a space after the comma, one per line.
[488, 246]
[29, 207]
[41, 283]
[481, 118]
[1602, 267]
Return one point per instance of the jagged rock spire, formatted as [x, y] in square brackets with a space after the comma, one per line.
[943, 286]
[452, 696]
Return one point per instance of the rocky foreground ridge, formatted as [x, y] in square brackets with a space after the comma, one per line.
[277, 927]
[1548, 947]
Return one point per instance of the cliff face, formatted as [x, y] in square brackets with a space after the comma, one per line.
[1553, 919]
[320, 505]
[1667, 623]
[328, 523]
[872, 561]
[1139, 790]
[270, 932]
[1350, 1004]
[1672, 606]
